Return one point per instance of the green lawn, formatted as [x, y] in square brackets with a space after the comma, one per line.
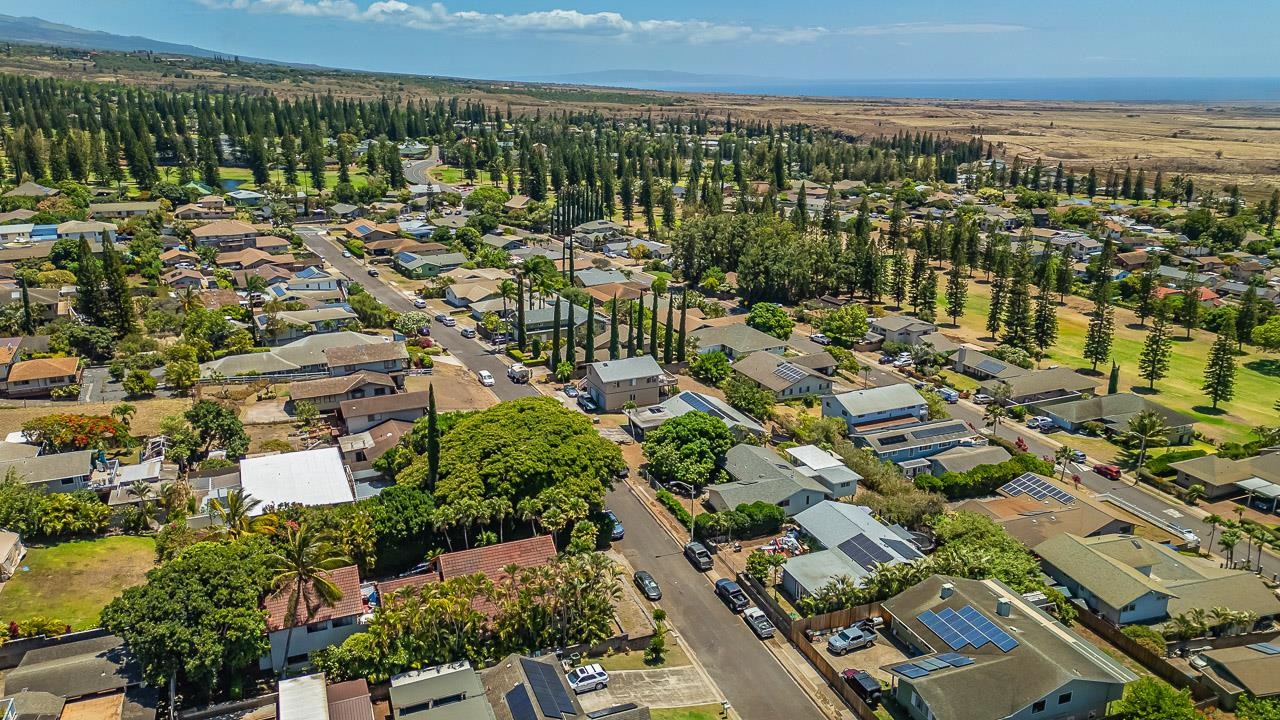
[358, 177]
[710, 711]
[450, 175]
[1256, 381]
[72, 581]
[634, 660]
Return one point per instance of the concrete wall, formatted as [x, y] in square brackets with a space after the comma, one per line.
[306, 641]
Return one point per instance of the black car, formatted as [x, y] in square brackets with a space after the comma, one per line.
[867, 687]
[648, 586]
[731, 593]
[373, 272]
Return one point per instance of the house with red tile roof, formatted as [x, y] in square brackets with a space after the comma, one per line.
[313, 624]
[490, 561]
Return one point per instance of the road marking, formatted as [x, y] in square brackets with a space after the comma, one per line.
[1172, 513]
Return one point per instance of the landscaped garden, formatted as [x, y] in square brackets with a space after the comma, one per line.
[72, 581]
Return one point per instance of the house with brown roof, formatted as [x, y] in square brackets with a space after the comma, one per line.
[390, 358]
[360, 450]
[393, 246]
[1131, 261]
[269, 244]
[1234, 671]
[360, 415]
[490, 561]
[36, 378]
[309, 697]
[227, 234]
[184, 278]
[270, 274]
[1039, 386]
[464, 294]
[327, 394]
[249, 258]
[370, 231]
[311, 624]
[781, 377]
[172, 257]
[196, 211]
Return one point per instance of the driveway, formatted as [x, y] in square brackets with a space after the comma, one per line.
[96, 386]
[738, 663]
[659, 687]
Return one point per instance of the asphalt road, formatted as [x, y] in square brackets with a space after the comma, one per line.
[472, 354]
[746, 672]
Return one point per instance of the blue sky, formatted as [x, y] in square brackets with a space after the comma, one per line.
[809, 39]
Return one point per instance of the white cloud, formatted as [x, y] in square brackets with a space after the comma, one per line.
[573, 23]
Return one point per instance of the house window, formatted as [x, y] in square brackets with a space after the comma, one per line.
[1064, 698]
[1129, 608]
[784, 503]
[68, 481]
[318, 627]
[343, 621]
[1037, 707]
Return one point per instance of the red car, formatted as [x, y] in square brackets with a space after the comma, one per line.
[1110, 472]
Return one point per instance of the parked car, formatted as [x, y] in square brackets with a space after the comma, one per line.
[424, 331]
[623, 473]
[1078, 456]
[731, 593]
[886, 359]
[441, 316]
[486, 378]
[647, 585]
[758, 622]
[449, 321]
[820, 339]
[866, 687]
[1110, 472]
[419, 303]
[951, 396]
[518, 373]
[618, 531]
[587, 678]
[698, 556]
[851, 638]
[1038, 422]
[346, 253]
[683, 489]
[467, 332]
[373, 272]
[983, 399]
[586, 403]
[571, 391]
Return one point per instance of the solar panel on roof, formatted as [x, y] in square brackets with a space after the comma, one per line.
[521, 706]
[855, 553]
[971, 634]
[903, 548]
[931, 664]
[944, 631]
[909, 670]
[1265, 648]
[955, 660]
[547, 688]
[993, 632]
[1034, 486]
[697, 402]
[874, 549]
[789, 372]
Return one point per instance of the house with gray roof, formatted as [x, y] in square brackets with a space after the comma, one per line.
[92, 667]
[294, 324]
[304, 356]
[963, 459]
[642, 420]
[1129, 579]
[844, 540]
[612, 384]
[916, 442]
[419, 267]
[878, 407]
[760, 475]
[736, 340]
[1013, 661]
[651, 248]
[1221, 476]
[506, 243]
[982, 366]
[540, 322]
[901, 329]
[823, 466]
[1115, 411]
[1040, 386]
[1235, 671]
[591, 277]
[56, 472]
[784, 379]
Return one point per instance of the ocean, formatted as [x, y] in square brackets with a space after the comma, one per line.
[1195, 90]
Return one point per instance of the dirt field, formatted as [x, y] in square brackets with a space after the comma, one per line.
[146, 422]
[456, 389]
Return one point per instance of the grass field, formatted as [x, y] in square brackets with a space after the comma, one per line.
[1256, 381]
[244, 175]
[634, 660]
[146, 422]
[450, 175]
[709, 711]
[72, 581]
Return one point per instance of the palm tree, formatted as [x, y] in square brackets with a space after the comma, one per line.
[1228, 541]
[1214, 522]
[1260, 537]
[301, 566]
[124, 413]
[1146, 428]
[1061, 456]
[993, 414]
[507, 290]
[188, 300]
[236, 513]
[145, 494]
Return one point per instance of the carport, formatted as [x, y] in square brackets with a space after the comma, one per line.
[1262, 488]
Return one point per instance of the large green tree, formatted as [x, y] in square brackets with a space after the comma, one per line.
[688, 448]
[1220, 368]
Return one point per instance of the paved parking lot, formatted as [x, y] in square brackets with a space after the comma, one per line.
[884, 652]
[659, 687]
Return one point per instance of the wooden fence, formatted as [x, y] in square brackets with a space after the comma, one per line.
[1155, 662]
[820, 663]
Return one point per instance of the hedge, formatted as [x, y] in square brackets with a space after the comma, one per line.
[984, 479]
[752, 520]
[671, 503]
[1159, 466]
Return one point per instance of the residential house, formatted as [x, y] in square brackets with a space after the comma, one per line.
[31, 189]
[916, 442]
[344, 211]
[120, 210]
[1129, 579]
[612, 384]
[270, 274]
[505, 243]
[90, 230]
[360, 450]
[491, 561]
[12, 551]
[360, 415]
[591, 277]
[309, 478]
[59, 472]
[444, 692]
[314, 279]
[1219, 476]
[301, 356]
[290, 325]
[93, 678]
[46, 303]
[1113, 413]
[1013, 662]
[517, 202]
[784, 379]
[227, 234]
[390, 358]
[760, 475]
[397, 245]
[271, 244]
[1040, 217]
[18, 215]
[982, 366]
[1039, 386]
[879, 407]
[902, 329]
[1231, 672]
[419, 267]
[1032, 519]
[309, 697]
[845, 541]
[524, 688]
[540, 322]
[464, 294]
[642, 420]
[646, 248]
[1080, 246]
[736, 340]
[327, 394]
[174, 257]
[18, 233]
[1132, 261]
[312, 624]
[821, 362]
[194, 211]
[246, 198]
[594, 234]
[815, 463]
[249, 258]
[184, 279]
[370, 231]
[37, 378]
[963, 459]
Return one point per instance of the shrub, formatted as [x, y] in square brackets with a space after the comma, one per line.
[70, 392]
[1159, 466]
[756, 519]
[1146, 637]
[984, 479]
[672, 504]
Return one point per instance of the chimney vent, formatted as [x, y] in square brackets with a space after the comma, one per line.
[947, 591]
[1003, 607]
